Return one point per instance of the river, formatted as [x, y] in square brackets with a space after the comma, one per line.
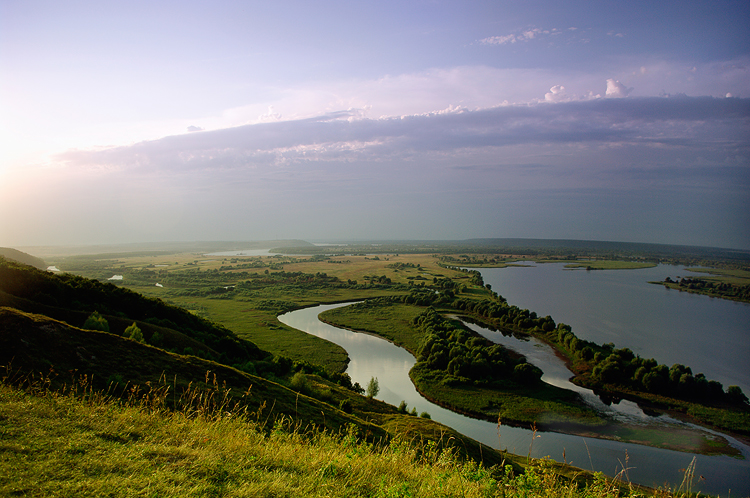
[371, 356]
[710, 335]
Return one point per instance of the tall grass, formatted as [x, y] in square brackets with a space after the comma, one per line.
[149, 441]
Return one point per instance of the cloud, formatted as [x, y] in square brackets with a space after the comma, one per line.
[269, 116]
[615, 89]
[435, 175]
[518, 37]
[192, 128]
[716, 128]
[556, 94]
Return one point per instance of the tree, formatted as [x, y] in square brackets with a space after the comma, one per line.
[735, 394]
[526, 373]
[96, 322]
[134, 333]
[373, 388]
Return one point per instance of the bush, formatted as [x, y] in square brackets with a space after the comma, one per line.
[402, 407]
[300, 383]
[96, 322]
[133, 332]
[156, 339]
[345, 406]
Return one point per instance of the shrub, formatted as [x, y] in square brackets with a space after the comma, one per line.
[402, 407]
[300, 383]
[96, 322]
[156, 339]
[133, 332]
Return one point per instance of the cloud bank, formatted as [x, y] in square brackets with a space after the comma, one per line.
[715, 128]
[670, 170]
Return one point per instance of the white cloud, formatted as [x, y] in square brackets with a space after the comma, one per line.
[615, 89]
[556, 94]
[498, 40]
[192, 128]
[269, 116]
[522, 36]
[334, 138]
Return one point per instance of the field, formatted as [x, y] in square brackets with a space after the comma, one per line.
[729, 276]
[182, 278]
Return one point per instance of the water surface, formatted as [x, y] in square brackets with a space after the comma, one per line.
[372, 356]
[710, 335]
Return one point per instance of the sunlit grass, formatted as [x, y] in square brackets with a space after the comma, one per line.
[87, 444]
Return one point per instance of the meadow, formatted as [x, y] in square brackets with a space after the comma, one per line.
[88, 443]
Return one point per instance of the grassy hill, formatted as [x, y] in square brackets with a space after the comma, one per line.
[72, 299]
[63, 445]
[22, 257]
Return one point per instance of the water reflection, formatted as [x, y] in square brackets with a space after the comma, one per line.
[556, 373]
[374, 357]
[708, 334]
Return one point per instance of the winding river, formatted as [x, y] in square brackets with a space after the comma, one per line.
[371, 356]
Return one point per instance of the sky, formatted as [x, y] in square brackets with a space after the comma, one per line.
[432, 120]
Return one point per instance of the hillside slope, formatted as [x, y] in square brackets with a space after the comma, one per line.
[72, 299]
[22, 257]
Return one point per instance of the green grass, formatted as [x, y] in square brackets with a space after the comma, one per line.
[544, 405]
[59, 446]
[724, 275]
[610, 265]
[392, 322]
[88, 444]
[244, 315]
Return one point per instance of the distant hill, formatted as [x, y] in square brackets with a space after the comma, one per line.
[165, 247]
[22, 257]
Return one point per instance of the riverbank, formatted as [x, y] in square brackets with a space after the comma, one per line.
[660, 436]
[545, 407]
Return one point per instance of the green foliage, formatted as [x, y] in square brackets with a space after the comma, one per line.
[300, 383]
[450, 350]
[95, 321]
[737, 395]
[37, 290]
[220, 450]
[726, 290]
[373, 387]
[133, 332]
[157, 339]
[608, 367]
[402, 407]
[345, 405]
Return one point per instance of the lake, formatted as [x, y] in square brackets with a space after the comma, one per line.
[708, 334]
[372, 356]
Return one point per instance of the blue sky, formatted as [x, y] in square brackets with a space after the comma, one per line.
[147, 121]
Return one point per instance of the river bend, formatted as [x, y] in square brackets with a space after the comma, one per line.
[371, 356]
